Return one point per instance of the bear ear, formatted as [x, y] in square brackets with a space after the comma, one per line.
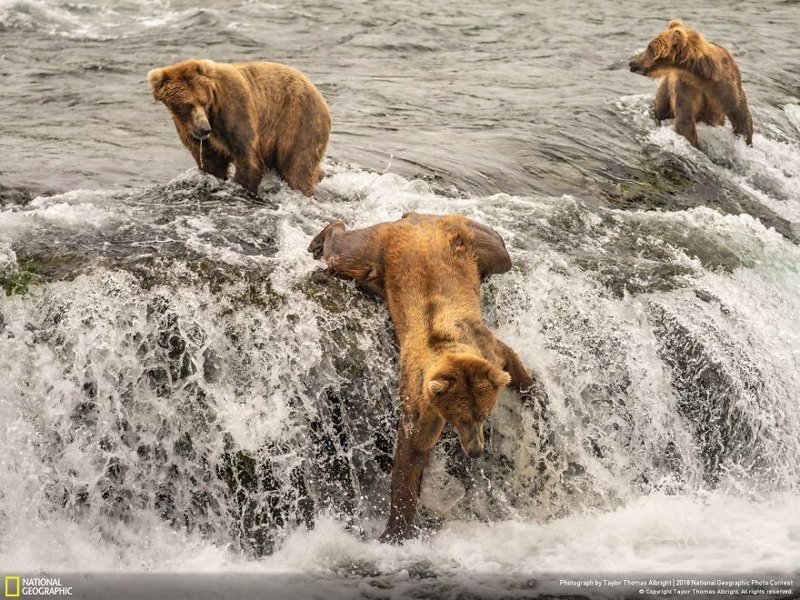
[500, 378]
[678, 36]
[156, 78]
[438, 386]
[675, 23]
[204, 67]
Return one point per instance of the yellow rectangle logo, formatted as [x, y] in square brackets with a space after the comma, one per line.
[11, 587]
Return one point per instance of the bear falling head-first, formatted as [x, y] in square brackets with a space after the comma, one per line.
[429, 269]
[701, 82]
[258, 115]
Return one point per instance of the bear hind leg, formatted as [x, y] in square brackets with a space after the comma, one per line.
[711, 111]
[711, 117]
[354, 254]
[322, 244]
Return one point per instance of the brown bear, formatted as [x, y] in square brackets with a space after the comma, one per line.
[258, 115]
[429, 270]
[701, 82]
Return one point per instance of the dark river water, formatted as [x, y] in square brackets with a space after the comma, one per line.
[184, 391]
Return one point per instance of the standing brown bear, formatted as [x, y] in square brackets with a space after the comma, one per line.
[258, 115]
[701, 82]
[429, 269]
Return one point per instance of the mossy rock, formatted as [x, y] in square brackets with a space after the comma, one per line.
[16, 279]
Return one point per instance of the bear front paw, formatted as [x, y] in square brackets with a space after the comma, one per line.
[397, 530]
[394, 537]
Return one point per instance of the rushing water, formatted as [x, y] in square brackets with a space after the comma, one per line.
[183, 390]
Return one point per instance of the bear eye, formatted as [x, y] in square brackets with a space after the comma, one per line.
[183, 109]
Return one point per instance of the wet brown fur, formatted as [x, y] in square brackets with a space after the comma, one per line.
[429, 270]
[261, 116]
[701, 82]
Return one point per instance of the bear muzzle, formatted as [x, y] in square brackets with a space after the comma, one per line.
[202, 131]
[200, 126]
[475, 451]
[635, 67]
[642, 64]
[471, 438]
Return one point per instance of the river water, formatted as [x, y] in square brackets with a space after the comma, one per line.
[183, 390]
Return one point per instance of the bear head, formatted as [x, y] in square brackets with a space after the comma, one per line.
[464, 388]
[188, 90]
[678, 47]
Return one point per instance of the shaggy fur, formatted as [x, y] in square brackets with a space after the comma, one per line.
[701, 82]
[429, 269]
[257, 115]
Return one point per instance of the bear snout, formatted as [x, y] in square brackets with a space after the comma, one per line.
[202, 131]
[475, 452]
[471, 438]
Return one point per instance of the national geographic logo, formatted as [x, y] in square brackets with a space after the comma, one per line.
[11, 586]
[15, 586]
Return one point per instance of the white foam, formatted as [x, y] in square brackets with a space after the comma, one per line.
[768, 171]
[793, 113]
[651, 534]
[71, 209]
[91, 21]
[561, 319]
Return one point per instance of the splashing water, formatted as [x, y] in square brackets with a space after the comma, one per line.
[193, 388]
